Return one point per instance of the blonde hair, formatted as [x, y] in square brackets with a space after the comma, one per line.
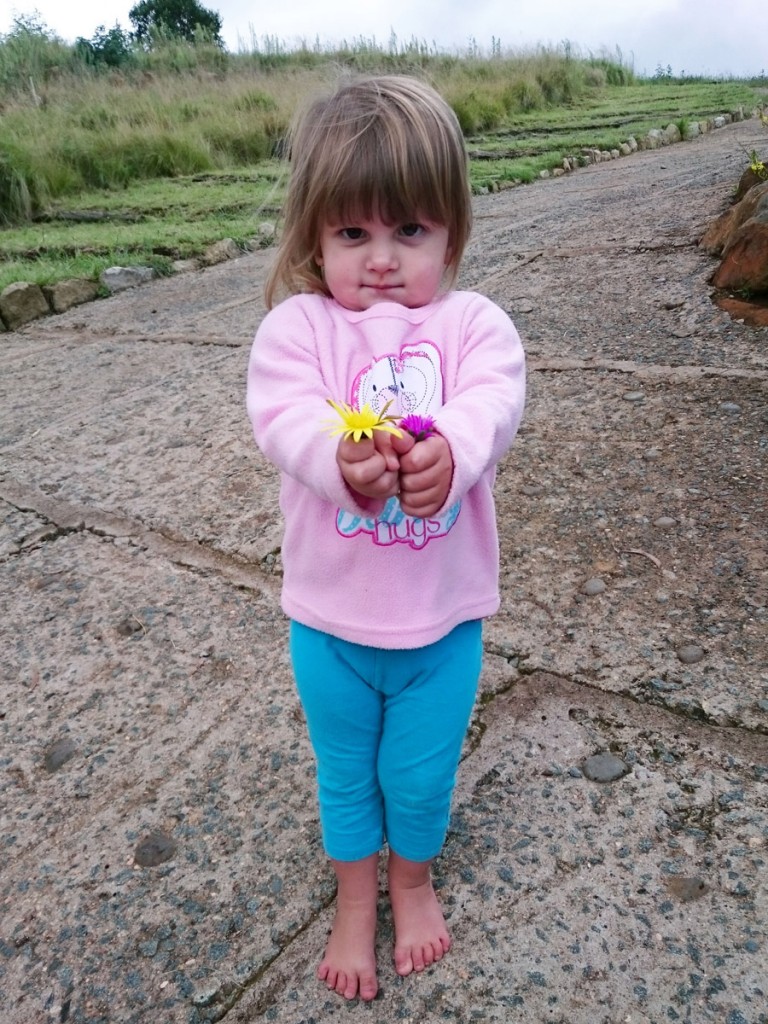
[383, 146]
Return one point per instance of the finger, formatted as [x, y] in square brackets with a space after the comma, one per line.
[424, 454]
[355, 451]
[403, 444]
[383, 442]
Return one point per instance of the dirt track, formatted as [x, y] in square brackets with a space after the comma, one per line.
[145, 649]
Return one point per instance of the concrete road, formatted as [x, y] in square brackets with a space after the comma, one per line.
[160, 847]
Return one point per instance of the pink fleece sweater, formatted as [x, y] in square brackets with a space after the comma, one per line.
[361, 570]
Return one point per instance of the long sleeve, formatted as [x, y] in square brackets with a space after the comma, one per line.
[288, 385]
[374, 575]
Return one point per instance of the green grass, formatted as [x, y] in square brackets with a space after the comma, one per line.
[174, 151]
[151, 223]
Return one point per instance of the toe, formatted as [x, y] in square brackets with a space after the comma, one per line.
[368, 988]
[403, 962]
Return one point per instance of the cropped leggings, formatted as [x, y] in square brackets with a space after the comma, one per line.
[387, 728]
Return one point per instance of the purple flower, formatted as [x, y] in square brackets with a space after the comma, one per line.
[419, 427]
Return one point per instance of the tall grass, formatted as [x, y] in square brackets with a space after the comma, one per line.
[69, 122]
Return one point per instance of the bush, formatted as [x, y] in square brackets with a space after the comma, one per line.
[523, 95]
[111, 49]
[31, 54]
[478, 113]
[22, 192]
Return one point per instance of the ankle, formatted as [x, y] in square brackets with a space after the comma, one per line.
[408, 874]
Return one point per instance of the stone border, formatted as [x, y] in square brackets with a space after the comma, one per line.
[654, 139]
[22, 302]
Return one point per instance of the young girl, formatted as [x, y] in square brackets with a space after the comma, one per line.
[390, 552]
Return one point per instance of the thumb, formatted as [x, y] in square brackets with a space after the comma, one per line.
[402, 445]
[384, 445]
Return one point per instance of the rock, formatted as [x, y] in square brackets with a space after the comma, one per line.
[745, 258]
[605, 768]
[719, 231]
[747, 181]
[749, 312]
[156, 848]
[653, 140]
[220, 252]
[185, 266]
[665, 522]
[593, 587]
[672, 133]
[117, 279]
[690, 654]
[73, 292]
[723, 230]
[21, 302]
[692, 130]
[59, 753]
[686, 888]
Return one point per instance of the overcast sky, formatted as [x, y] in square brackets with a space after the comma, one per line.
[717, 37]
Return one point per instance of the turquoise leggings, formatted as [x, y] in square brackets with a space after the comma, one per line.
[387, 727]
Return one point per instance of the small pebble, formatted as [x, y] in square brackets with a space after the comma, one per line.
[665, 522]
[59, 753]
[651, 454]
[730, 407]
[690, 654]
[605, 768]
[634, 396]
[593, 587]
[156, 848]
[684, 888]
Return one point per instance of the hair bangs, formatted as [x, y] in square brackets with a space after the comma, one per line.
[380, 176]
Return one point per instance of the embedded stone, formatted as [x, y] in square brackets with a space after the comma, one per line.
[690, 654]
[118, 279]
[59, 753]
[685, 888]
[73, 292]
[593, 587]
[154, 849]
[605, 768]
[220, 252]
[22, 302]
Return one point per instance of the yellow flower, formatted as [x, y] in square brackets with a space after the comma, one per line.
[359, 423]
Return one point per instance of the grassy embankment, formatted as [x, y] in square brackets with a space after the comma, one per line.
[174, 151]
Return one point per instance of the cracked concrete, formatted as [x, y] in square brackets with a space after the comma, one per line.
[147, 692]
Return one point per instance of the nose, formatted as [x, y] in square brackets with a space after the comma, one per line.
[381, 256]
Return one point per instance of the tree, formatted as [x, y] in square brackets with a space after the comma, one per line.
[182, 18]
[112, 47]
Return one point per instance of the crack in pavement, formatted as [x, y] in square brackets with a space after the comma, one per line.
[68, 517]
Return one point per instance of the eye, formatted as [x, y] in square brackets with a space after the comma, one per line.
[352, 234]
[411, 230]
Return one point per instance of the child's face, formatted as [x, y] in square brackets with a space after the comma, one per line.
[369, 261]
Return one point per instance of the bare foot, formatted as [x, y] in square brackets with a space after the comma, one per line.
[349, 964]
[421, 935]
